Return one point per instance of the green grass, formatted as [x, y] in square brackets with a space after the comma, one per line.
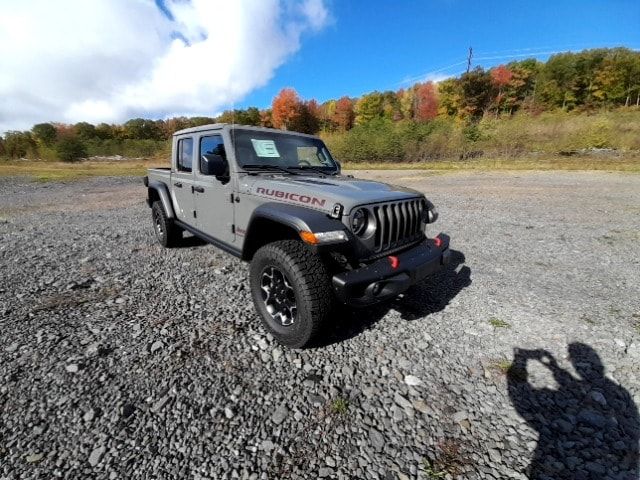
[45, 171]
[59, 171]
[433, 473]
[502, 365]
[489, 164]
[498, 323]
[340, 406]
[448, 460]
[507, 368]
[552, 140]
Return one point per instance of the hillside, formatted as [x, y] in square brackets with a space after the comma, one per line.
[579, 105]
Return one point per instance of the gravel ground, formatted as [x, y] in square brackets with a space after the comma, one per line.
[119, 359]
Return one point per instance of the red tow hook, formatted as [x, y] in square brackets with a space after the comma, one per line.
[437, 241]
[394, 261]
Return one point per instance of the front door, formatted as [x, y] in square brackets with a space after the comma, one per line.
[182, 181]
[214, 206]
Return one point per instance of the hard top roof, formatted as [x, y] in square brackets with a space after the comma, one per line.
[229, 126]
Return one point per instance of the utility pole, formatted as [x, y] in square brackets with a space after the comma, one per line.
[469, 57]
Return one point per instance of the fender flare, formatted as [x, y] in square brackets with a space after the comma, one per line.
[295, 217]
[163, 192]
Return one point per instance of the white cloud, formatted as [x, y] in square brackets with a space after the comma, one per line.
[436, 77]
[109, 60]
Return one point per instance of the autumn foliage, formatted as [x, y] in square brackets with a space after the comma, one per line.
[344, 115]
[285, 108]
[501, 76]
[426, 102]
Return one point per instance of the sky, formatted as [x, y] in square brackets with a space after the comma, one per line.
[111, 60]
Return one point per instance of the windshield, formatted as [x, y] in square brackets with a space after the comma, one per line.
[282, 150]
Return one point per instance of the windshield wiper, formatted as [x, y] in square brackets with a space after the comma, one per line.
[315, 169]
[269, 167]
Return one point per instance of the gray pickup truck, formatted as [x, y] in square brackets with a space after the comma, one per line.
[313, 236]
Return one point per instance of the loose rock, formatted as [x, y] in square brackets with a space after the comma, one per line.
[96, 456]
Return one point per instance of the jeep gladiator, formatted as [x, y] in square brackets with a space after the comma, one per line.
[312, 235]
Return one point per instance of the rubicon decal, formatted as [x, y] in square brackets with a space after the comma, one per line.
[294, 197]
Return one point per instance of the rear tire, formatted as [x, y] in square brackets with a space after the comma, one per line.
[167, 232]
[291, 291]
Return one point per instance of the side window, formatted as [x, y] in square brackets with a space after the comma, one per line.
[185, 154]
[212, 145]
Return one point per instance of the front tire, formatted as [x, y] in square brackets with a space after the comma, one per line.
[167, 233]
[291, 291]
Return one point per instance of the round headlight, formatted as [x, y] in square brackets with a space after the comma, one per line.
[359, 221]
[429, 213]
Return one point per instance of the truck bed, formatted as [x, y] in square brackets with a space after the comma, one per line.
[160, 173]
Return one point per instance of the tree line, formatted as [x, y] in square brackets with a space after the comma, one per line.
[584, 81]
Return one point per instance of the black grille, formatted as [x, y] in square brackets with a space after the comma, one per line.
[398, 223]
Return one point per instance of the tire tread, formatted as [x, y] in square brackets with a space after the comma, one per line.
[172, 235]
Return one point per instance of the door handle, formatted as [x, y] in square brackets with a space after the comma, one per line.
[177, 184]
[198, 189]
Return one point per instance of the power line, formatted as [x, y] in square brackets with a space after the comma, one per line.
[429, 73]
[551, 47]
[529, 49]
[468, 62]
[532, 52]
[518, 55]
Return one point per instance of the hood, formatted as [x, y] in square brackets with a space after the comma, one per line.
[323, 193]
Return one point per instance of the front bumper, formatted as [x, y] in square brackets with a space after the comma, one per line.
[380, 281]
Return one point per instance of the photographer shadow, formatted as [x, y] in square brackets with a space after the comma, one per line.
[588, 427]
[425, 298]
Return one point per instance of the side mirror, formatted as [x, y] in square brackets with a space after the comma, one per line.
[214, 165]
[339, 165]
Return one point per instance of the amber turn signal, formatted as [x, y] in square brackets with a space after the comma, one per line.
[309, 237]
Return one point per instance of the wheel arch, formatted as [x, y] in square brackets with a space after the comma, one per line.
[273, 221]
[263, 230]
[157, 190]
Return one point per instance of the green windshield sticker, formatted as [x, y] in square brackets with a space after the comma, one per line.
[265, 148]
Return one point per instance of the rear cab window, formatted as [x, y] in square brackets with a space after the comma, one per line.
[184, 152]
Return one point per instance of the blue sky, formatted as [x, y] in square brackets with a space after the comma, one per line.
[108, 66]
[377, 44]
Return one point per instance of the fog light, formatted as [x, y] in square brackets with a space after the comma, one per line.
[377, 288]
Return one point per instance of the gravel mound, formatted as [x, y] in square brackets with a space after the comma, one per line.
[119, 359]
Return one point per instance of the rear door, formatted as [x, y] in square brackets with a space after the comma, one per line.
[214, 207]
[182, 178]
